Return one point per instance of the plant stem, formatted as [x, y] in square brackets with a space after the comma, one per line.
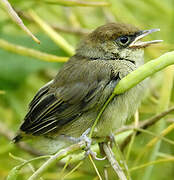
[136, 77]
[151, 163]
[30, 52]
[57, 38]
[114, 163]
[58, 156]
[164, 101]
[77, 3]
[14, 16]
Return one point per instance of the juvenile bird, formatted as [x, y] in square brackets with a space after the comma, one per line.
[68, 105]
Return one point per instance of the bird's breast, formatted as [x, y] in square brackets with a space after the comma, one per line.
[122, 107]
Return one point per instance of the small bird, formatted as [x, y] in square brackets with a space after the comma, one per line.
[68, 105]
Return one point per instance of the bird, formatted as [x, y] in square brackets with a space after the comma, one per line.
[67, 106]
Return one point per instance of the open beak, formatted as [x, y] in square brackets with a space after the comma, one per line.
[140, 44]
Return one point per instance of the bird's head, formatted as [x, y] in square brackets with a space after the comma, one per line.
[115, 41]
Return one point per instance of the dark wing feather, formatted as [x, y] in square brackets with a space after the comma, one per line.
[42, 91]
[56, 105]
[50, 113]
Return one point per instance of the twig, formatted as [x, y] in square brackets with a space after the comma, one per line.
[64, 167]
[151, 163]
[57, 38]
[115, 165]
[70, 30]
[149, 122]
[58, 156]
[96, 170]
[14, 16]
[163, 133]
[106, 173]
[76, 167]
[26, 161]
[143, 125]
[77, 3]
[30, 52]
[160, 136]
[136, 117]
[164, 101]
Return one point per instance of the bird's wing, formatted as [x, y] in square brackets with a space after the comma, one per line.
[55, 104]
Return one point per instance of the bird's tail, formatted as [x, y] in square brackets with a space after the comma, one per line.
[17, 138]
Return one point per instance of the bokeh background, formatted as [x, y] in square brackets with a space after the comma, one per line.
[22, 75]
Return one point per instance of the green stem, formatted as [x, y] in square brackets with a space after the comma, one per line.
[164, 101]
[151, 163]
[14, 16]
[116, 165]
[57, 38]
[58, 156]
[30, 52]
[136, 77]
[77, 3]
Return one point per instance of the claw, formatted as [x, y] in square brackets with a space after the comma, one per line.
[88, 142]
[94, 155]
[88, 150]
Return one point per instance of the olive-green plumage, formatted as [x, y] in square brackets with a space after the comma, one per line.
[69, 104]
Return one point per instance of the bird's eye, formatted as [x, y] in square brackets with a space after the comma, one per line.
[123, 40]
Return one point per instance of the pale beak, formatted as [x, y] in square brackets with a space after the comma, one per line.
[140, 44]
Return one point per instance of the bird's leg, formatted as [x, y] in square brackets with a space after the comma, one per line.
[110, 139]
[84, 137]
[88, 141]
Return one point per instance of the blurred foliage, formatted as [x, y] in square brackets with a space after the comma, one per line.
[22, 76]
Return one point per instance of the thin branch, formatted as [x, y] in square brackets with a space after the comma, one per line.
[164, 101]
[77, 3]
[58, 156]
[64, 167]
[115, 165]
[30, 52]
[143, 125]
[151, 163]
[149, 122]
[160, 136]
[146, 123]
[96, 170]
[75, 168]
[136, 117]
[57, 38]
[26, 161]
[106, 173]
[163, 133]
[70, 30]
[14, 16]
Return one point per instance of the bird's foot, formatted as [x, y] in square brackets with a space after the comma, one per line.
[94, 155]
[88, 142]
[84, 137]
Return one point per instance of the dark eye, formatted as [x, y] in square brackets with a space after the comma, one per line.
[123, 40]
